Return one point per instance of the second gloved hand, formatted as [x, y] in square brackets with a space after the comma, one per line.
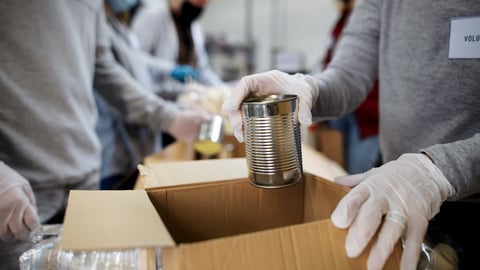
[186, 124]
[18, 211]
[397, 200]
[184, 73]
[269, 83]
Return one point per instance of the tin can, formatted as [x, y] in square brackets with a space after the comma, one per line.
[209, 137]
[272, 140]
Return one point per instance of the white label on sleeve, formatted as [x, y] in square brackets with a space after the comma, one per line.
[464, 38]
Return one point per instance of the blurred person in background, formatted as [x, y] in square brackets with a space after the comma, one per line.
[48, 145]
[124, 145]
[169, 29]
[427, 65]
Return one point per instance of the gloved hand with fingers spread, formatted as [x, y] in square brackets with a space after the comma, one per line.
[397, 200]
[184, 73]
[18, 211]
[269, 83]
[186, 124]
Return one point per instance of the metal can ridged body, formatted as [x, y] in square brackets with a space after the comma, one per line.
[272, 140]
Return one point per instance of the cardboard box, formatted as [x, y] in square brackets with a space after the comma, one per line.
[330, 142]
[204, 222]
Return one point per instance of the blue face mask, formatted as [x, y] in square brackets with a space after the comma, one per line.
[119, 6]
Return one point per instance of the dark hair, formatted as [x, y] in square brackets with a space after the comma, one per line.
[135, 9]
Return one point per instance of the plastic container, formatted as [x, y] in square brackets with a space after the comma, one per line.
[47, 255]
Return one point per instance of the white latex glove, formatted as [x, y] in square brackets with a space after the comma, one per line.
[397, 199]
[186, 124]
[18, 211]
[268, 83]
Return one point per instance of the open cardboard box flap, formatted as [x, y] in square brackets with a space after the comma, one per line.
[218, 224]
[190, 172]
[106, 220]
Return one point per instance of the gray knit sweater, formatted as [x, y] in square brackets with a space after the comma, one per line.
[52, 54]
[427, 101]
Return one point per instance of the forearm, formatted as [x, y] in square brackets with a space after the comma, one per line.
[157, 65]
[168, 88]
[353, 70]
[114, 83]
[134, 103]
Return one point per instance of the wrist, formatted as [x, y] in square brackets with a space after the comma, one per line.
[167, 116]
[311, 85]
[9, 178]
[446, 188]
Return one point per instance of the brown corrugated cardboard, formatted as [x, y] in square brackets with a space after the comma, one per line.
[99, 220]
[330, 142]
[222, 224]
[233, 225]
[187, 172]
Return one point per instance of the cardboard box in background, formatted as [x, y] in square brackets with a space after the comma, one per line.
[325, 140]
[330, 142]
[204, 222]
[178, 151]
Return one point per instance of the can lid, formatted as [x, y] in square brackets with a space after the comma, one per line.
[269, 105]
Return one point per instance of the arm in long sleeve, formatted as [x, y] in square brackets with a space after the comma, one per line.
[136, 104]
[168, 88]
[353, 70]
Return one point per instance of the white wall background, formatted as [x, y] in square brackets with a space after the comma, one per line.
[296, 25]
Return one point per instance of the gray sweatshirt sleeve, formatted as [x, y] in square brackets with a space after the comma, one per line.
[460, 163]
[352, 72]
[136, 104]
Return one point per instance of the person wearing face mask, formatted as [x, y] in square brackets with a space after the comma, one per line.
[128, 51]
[169, 30]
[124, 145]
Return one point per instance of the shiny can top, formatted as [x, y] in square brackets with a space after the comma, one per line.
[271, 105]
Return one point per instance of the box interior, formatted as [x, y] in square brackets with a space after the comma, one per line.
[198, 212]
[217, 224]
